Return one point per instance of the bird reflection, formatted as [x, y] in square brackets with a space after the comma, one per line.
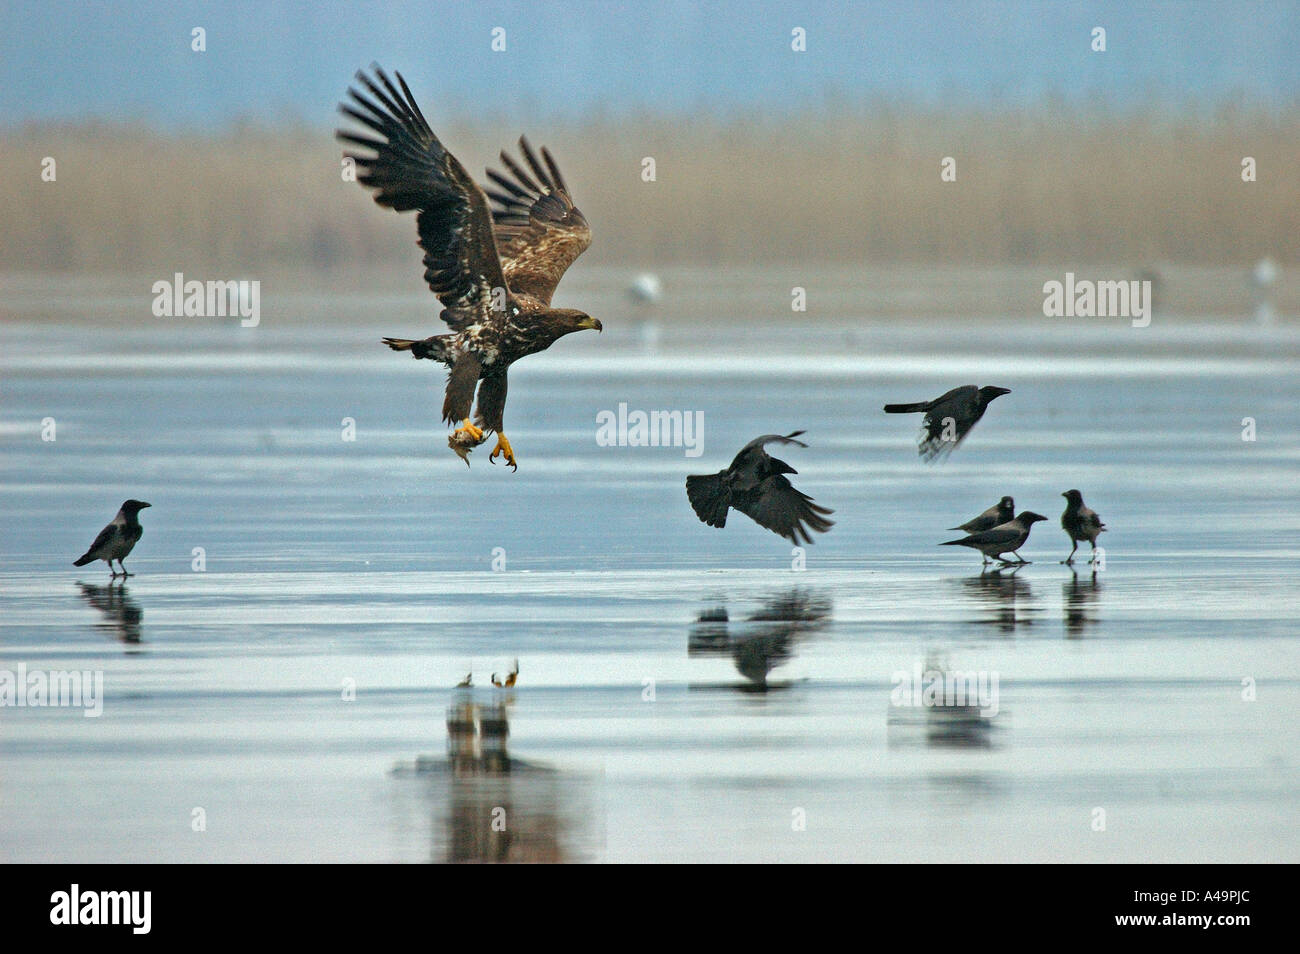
[958, 727]
[122, 614]
[489, 807]
[1005, 595]
[1080, 598]
[966, 721]
[762, 641]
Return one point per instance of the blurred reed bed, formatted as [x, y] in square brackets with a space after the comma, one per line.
[839, 185]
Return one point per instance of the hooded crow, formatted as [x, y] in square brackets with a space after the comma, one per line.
[1081, 523]
[1000, 512]
[116, 540]
[948, 418]
[755, 484]
[1004, 538]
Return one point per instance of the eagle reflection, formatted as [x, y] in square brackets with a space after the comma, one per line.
[488, 807]
[762, 641]
[122, 614]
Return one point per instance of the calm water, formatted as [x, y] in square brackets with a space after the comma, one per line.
[683, 693]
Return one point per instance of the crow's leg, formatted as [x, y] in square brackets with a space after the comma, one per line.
[1069, 561]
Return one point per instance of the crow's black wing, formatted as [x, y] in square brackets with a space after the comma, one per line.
[753, 451]
[104, 539]
[1000, 535]
[948, 421]
[774, 503]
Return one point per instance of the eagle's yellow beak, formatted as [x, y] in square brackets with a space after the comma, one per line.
[590, 322]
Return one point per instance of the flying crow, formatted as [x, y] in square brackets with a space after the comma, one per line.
[755, 484]
[949, 418]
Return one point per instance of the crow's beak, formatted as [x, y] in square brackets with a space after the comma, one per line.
[143, 505]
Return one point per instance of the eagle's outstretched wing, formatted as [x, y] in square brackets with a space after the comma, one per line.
[539, 230]
[410, 169]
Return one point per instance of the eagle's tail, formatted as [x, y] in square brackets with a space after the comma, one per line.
[86, 558]
[710, 497]
[427, 348]
[906, 408]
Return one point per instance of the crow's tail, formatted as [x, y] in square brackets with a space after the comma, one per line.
[906, 408]
[710, 497]
[87, 558]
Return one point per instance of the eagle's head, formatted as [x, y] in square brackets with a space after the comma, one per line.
[568, 320]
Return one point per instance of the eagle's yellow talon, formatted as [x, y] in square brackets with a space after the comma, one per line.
[468, 430]
[503, 447]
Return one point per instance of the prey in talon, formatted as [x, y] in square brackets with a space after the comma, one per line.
[464, 439]
[493, 258]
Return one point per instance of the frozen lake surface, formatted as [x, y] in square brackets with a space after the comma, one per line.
[296, 697]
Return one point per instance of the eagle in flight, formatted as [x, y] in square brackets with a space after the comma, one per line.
[493, 266]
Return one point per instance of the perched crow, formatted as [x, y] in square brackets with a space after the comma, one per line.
[755, 484]
[1000, 512]
[1004, 538]
[1081, 523]
[116, 540]
[948, 419]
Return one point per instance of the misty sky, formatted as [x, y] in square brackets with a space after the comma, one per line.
[132, 59]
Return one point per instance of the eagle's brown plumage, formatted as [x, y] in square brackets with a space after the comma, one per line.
[493, 266]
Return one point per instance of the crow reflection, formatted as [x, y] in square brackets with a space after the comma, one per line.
[122, 614]
[763, 640]
[1080, 598]
[1003, 593]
